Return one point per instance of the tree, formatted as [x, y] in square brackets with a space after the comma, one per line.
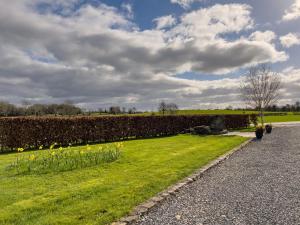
[260, 88]
[297, 106]
[167, 108]
[132, 110]
[172, 108]
[162, 107]
[114, 110]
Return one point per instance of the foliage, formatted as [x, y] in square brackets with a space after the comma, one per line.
[102, 194]
[31, 132]
[64, 159]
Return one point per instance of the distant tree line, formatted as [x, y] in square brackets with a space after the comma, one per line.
[67, 108]
[285, 108]
[115, 110]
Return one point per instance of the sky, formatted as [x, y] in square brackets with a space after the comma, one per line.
[99, 53]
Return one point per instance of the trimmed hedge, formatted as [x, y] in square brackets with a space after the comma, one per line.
[31, 132]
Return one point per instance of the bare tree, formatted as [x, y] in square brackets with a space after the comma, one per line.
[260, 88]
[167, 108]
[172, 108]
[162, 107]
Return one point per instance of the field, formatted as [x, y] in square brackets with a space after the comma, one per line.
[290, 117]
[102, 194]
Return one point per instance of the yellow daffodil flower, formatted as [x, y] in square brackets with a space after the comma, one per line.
[20, 149]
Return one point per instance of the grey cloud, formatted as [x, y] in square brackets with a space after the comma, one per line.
[92, 63]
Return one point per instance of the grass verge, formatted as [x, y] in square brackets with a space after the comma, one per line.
[102, 194]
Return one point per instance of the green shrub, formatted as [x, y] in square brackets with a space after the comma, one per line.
[31, 132]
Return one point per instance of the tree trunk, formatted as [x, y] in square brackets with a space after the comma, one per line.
[261, 117]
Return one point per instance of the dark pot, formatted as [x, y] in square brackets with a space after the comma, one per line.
[259, 133]
[268, 129]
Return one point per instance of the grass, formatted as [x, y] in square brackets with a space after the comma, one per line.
[288, 118]
[213, 111]
[102, 194]
[269, 119]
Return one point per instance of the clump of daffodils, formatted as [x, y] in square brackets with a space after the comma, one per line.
[60, 159]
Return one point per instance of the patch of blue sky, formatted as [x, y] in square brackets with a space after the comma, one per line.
[208, 76]
[41, 58]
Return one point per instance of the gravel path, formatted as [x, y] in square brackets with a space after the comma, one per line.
[258, 185]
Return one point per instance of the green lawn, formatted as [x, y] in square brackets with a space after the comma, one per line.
[213, 111]
[102, 194]
[288, 118]
[269, 119]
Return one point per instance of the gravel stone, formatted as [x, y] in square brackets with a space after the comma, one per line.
[258, 185]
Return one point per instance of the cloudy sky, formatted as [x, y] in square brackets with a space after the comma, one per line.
[99, 53]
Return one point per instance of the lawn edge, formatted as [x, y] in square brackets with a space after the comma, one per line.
[143, 208]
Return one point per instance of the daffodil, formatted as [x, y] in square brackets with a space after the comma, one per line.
[60, 148]
[41, 147]
[81, 152]
[88, 147]
[20, 149]
[53, 153]
[32, 157]
[120, 145]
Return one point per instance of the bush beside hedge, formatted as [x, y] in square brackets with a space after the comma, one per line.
[32, 132]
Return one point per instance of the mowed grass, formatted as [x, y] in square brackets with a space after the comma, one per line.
[269, 119]
[102, 194]
[214, 112]
[290, 117]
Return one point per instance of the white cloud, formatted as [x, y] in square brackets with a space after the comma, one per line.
[184, 3]
[165, 21]
[208, 23]
[128, 9]
[266, 36]
[290, 40]
[293, 12]
[291, 85]
[97, 56]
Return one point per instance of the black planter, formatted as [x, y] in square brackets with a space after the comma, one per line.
[259, 133]
[269, 129]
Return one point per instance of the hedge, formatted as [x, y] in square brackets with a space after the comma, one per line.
[31, 132]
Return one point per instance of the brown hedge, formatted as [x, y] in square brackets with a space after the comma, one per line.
[31, 132]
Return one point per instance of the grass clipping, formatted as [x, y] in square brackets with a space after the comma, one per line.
[64, 159]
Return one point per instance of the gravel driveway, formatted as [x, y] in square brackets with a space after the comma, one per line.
[258, 185]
